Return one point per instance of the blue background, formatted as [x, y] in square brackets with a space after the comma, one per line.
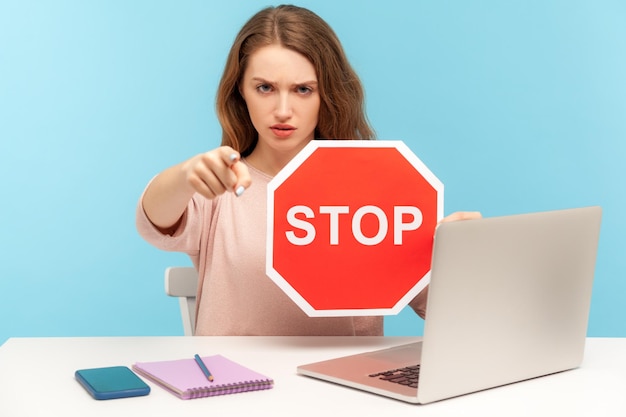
[516, 106]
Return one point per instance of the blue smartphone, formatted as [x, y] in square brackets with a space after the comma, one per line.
[111, 382]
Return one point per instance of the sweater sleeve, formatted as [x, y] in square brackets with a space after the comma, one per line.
[419, 303]
[186, 238]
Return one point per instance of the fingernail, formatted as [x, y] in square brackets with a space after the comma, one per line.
[239, 190]
[232, 157]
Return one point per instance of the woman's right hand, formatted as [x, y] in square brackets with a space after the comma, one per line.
[215, 172]
[210, 174]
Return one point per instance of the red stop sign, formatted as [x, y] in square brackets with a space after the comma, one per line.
[350, 227]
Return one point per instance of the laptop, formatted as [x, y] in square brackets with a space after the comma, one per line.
[508, 300]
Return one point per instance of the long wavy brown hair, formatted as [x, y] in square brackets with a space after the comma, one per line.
[342, 112]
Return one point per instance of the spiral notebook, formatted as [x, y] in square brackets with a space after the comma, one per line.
[185, 379]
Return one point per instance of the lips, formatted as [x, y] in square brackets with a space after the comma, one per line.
[282, 130]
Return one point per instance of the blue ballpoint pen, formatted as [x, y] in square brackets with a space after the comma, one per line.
[202, 366]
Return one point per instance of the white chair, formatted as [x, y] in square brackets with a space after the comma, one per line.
[182, 282]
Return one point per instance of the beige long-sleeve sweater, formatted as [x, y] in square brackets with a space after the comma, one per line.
[226, 240]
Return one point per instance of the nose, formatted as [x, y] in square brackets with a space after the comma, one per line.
[283, 109]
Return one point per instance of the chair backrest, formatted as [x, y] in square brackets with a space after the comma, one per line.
[182, 282]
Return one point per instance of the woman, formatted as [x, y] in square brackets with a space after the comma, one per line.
[286, 82]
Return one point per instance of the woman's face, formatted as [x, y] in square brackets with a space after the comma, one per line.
[281, 91]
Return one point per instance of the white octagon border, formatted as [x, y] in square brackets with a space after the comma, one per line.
[289, 169]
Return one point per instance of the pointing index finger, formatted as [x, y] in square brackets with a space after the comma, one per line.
[243, 176]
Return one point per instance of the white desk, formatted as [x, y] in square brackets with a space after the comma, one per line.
[37, 379]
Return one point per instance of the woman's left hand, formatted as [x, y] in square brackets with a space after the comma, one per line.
[462, 215]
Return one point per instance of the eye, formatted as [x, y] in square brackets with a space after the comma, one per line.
[264, 88]
[304, 89]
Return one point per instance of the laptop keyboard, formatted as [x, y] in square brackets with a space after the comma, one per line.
[405, 376]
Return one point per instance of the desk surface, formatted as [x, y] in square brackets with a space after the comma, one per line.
[37, 379]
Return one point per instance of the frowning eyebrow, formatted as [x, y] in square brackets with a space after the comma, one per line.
[264, 81]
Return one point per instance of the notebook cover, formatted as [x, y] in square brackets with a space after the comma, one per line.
[184, 378]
